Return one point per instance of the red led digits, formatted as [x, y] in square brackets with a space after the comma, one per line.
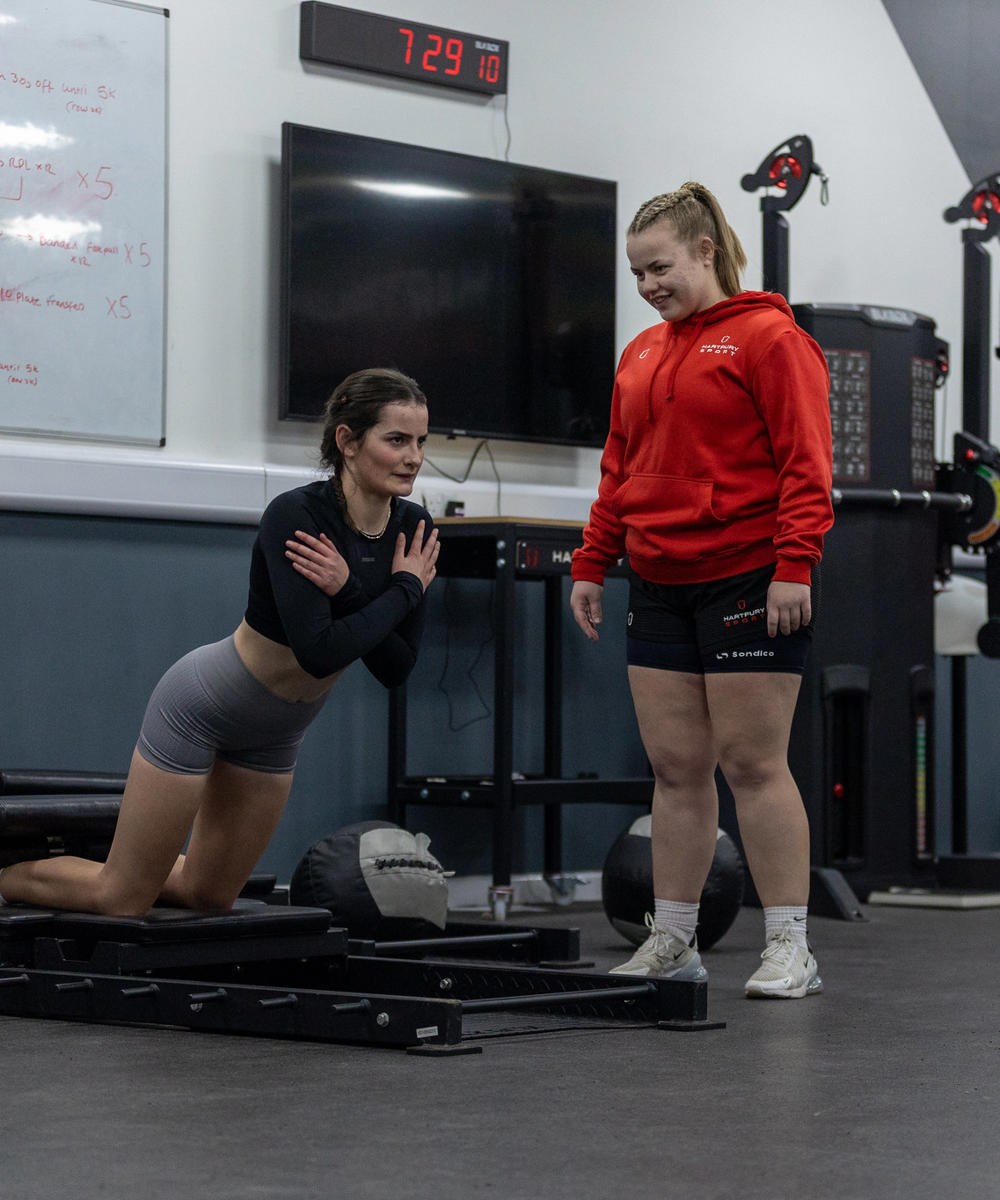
[489, 67]
[453, 50]
[433, 52]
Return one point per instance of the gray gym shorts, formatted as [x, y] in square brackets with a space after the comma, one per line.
[209, 706]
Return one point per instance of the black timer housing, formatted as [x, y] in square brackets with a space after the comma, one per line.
[347, 37]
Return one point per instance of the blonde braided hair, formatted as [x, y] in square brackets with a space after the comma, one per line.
[695, 213]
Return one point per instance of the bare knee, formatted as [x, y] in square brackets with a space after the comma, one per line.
[679, 773]
[214, 902]
[117, 897]
[206, 896]
[115, 902]
[750, 773]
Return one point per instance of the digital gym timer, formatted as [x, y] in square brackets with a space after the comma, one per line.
[346, 37]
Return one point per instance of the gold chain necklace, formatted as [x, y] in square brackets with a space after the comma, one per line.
[339, 493]
[374, 537]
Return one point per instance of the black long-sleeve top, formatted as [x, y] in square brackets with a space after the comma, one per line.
[377, 616]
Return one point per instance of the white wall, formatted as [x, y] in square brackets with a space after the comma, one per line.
[646, 92]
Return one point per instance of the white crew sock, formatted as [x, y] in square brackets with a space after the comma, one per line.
[676, 917]
[791, 915]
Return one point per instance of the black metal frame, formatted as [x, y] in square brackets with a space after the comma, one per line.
[476, 939]
[958, 869]
[285, 973]
[506, 551]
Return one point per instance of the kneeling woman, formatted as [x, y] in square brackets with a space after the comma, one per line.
[338, 573]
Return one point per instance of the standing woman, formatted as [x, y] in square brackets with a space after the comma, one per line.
[338, 573]
[715, 481]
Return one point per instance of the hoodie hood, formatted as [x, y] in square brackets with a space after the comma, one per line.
[680, 337]
[740, 303]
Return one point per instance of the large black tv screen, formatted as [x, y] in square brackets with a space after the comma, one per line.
[492, 284]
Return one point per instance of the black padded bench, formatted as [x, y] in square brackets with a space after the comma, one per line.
[166, 938]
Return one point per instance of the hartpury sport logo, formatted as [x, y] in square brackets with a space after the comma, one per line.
[722, 346]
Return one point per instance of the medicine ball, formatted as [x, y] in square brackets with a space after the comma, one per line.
[377, 880]
[627, 886]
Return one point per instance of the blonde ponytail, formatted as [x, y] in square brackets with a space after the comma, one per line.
[695, 213]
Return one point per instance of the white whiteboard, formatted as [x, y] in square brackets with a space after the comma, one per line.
[82, 218]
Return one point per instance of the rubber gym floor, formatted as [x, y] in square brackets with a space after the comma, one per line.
[887, 1085]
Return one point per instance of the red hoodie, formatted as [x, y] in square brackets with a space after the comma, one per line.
[719, 456]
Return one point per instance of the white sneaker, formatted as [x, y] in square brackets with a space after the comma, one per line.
[787, 971]
[664, 956]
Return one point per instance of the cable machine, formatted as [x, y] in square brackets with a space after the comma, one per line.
[975, 469]
[862, 745]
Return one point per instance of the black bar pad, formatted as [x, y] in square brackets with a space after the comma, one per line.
[44, 783]
[16, 918]
[23, 816]
[248, 918]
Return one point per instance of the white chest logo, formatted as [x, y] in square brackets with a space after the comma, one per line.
[723, 346]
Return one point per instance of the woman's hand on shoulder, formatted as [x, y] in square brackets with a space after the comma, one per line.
[319, 560]
[420, 558]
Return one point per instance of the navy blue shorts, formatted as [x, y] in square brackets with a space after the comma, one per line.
[719, 625]
[209, 706]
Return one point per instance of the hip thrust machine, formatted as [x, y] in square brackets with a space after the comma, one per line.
[271, 969]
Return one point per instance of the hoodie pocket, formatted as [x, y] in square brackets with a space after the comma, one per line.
[666, 516]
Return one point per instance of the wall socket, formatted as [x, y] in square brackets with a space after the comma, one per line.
[434, 502]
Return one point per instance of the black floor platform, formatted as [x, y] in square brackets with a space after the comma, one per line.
[279, 971]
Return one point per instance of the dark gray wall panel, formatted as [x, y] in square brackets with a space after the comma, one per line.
[94, 609]
[954, 49]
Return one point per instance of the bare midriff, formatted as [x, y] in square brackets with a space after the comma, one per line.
[276, 668]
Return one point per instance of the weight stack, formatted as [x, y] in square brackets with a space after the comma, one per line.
[862, 744]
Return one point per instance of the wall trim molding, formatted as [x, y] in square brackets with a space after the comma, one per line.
[136, 487]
